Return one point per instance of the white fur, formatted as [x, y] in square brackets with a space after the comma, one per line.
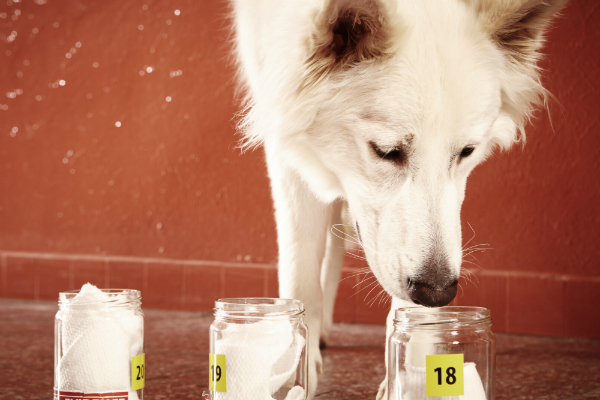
[442, 81]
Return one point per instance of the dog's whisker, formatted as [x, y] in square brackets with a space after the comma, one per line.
[340, 234]
[351, 276]
[355, 254]
[468, 251]
[471, 250]
[472, 237]
[361, 271]
[468, 275]
[471, 254]
[474, 258]
[465, 276]
[475, 264]
[374, 287]
[381, 295]
[363, 281]
[478, 247]
[371, 285]
[365, 288]
[356, 257]
[384, 297]
[370, 302]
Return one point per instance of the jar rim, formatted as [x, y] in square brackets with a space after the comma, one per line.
[258, 307]
[437, 318]
[107, 296]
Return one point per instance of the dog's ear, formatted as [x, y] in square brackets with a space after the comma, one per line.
[347, 32]
[518, 26]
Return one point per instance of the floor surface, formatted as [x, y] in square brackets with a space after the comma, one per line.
[176, 344]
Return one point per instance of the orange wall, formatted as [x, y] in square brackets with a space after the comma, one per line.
[169, 177]
[166, 200]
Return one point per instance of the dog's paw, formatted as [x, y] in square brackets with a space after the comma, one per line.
[326, 326]
[382, 392]
[315, 367]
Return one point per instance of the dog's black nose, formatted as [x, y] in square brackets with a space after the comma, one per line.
[424, 294]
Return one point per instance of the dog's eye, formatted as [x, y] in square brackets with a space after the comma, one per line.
[396, 155]
[466, 152]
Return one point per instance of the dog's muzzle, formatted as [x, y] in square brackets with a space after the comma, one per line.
[424, 294]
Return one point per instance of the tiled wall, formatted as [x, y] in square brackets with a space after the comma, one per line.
[529, 303]
[132, 158]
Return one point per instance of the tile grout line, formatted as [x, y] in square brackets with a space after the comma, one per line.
[182, 299]
[565, 309]
[148, 260]
[144, 278]
[221, 282]
[227, 264]
[36, 282]
[106, 274]
[72, 274]
[539, 275]
[507, 308]
[265, 283]
[577, 396]
[355, 295]
[4, 277]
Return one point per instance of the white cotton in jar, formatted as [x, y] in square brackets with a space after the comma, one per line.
[99, 334]
[262, 356]
[258, 350]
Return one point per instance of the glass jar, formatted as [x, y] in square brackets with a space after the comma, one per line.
[258, 350]
[445, 353]
[99, 344]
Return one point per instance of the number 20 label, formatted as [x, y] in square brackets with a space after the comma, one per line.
[217, 379]
[138, 372]
[444, 375]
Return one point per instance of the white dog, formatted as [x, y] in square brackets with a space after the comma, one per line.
[387, 105]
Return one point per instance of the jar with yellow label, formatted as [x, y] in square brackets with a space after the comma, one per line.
[258, 350]
[445, 353]
[99, 345]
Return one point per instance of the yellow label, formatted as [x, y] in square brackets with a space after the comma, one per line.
[444, 375]
[217, 377]
[138, 372]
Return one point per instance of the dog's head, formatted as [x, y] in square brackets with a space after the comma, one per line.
[395, 105]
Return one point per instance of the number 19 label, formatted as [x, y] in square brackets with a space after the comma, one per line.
[217, 380]
[444, 375]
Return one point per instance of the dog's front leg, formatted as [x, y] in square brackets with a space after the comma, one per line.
[331, 268]
[301, 234]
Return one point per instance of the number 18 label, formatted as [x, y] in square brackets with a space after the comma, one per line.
[444, 375]
[217, 380]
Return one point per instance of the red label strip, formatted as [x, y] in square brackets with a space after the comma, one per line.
[64, 395]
